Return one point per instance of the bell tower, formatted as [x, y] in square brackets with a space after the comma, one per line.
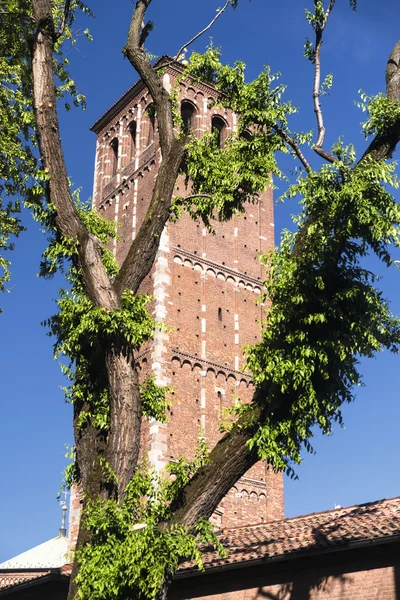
[204, 287]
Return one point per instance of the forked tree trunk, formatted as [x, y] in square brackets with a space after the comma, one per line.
[231, 458]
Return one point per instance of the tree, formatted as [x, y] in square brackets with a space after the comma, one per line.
[325, 311]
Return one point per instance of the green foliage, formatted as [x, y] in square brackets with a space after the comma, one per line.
[130, 554]
[80, 325]
[154, 401]
[326, 309]
[83, 330]
[182, 469]
[316, 18]
[61, 249]
[326, 85]
[382, 113]
[309, 51]
[9, 226]
[16, 160]
[70, 472]
[20, 176]
[223, 179]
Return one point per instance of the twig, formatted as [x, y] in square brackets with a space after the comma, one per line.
[67, 6]
[319, 28]
[197, 196]
[200, 33]
[328, 12]
[293, 144]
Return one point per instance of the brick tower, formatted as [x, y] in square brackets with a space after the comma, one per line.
[204, 287]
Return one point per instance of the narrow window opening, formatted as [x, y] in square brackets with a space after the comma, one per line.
[219, 394]
[246, 135]
[132, 135]
[220, 314]
[149, 124]
[188, 113]
[218, 127]
[114, 156]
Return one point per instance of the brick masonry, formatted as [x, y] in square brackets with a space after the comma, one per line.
[308, 584]
[205, 288]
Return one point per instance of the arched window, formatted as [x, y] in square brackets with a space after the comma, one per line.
[218, 125]
[246, 135]
[149, 125]
[114, 156]
[188, 113]
[132, 140]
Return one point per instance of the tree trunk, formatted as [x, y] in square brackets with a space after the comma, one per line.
[123, 442]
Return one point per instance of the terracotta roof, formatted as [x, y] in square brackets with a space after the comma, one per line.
[8, 580]
[11, 579]
[329, 531]
[315, 533]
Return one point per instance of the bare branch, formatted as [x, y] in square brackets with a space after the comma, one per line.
[294, 145]
[328, 12]
[67, 7]
[197, 196]
[138, 59]
[200, 33]
[319, 28]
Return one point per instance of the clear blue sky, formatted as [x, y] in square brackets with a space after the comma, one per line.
[356, 464]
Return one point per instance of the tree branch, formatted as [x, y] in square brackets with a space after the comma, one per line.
[143, 250]
[319, 28]
[200, 33]
[96, 281]
[67, 7]
[294, 145]
[197, 196]
[393, 74]
[138, 59]
[328, 12]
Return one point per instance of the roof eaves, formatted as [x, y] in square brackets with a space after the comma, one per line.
[289, 556]
[131, 93]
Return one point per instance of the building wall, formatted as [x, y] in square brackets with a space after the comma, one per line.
[204, 286]
[377, 584]
[368, 573]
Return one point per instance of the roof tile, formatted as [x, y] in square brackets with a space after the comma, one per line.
[329, 529]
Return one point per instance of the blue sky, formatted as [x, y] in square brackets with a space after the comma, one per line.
[356, 464]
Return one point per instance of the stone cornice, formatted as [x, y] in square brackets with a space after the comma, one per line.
[201, 260]
[204, 363]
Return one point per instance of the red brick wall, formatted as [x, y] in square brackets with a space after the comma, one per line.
[204, 287]
[368, 572]
[376, 584]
